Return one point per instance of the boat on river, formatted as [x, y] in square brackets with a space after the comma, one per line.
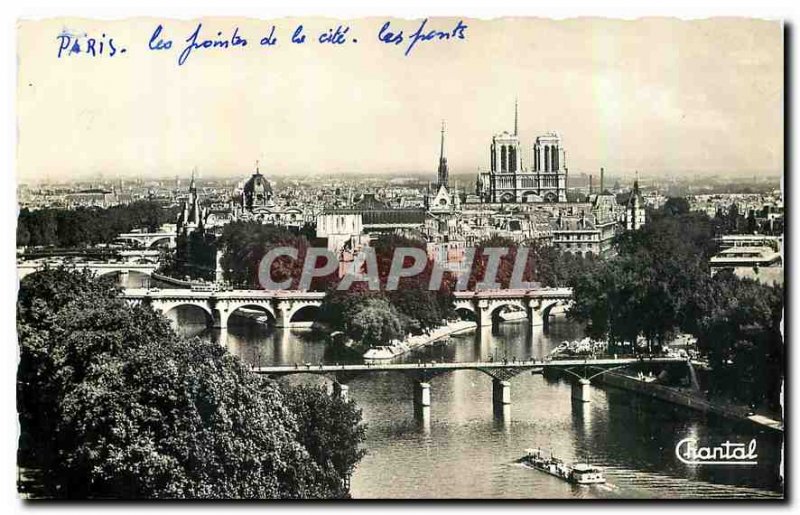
[577, 473]
[385, 352]
[513, 316]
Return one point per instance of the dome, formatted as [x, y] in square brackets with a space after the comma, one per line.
[257, 191]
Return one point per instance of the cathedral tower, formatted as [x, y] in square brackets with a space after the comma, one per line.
[550, 168]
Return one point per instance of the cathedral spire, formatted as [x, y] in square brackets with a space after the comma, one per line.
[516, 117]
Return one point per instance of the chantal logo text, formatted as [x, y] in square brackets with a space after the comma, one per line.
[727, 453]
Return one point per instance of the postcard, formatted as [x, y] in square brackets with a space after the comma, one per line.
[400, 258]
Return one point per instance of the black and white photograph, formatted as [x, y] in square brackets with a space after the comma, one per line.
[379, 257]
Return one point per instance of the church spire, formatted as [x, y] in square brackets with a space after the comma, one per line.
[636, 184]
[192, 187]
[441, 147]
[443, 174]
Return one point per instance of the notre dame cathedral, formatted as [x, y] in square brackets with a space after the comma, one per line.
[508, 181]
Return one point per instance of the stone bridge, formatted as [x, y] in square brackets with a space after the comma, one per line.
[485, 306]
[149, 239]
[26, 268]
[284, 307]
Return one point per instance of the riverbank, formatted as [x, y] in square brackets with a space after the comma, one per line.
[171, 280]
[688, 399]
[412, 343]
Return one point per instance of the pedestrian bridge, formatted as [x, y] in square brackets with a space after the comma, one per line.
[582, 370]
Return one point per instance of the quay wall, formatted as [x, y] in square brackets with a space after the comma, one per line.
[676, 396]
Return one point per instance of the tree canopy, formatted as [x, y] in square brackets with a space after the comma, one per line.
[113, 404]
[88, 225]
[659, 282]
[244, 244]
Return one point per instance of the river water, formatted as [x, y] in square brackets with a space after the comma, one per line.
[461, 448]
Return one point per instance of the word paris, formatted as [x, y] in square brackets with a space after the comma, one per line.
[406, 262]
[725, 454]
[201, 38]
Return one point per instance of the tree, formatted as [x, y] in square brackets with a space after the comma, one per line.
[88, 225]
[376, 323]
[737, 324]
[413, 305]
[121, 407]
[244, 245]
[649, 284]
[329, 428]
[505, 268]
[676, 206]
[660, 282]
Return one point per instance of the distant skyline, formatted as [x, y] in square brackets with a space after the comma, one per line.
[660, 96]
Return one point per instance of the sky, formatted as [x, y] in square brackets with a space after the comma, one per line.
[657, 96]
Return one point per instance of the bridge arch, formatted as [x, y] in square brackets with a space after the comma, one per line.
[262, 307]
[139, 242]
[155, 241]
[466, 313]
[304, 314]
[494, 309]
[173, 310]
[108, 271]
[546, 308]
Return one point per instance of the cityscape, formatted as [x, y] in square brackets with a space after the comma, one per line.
[518, 326]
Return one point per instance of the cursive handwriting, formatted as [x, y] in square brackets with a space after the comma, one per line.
[420, 35]
[202, 39]
[195, 43]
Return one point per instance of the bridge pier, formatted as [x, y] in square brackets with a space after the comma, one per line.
[220, 318]
[282, 319]
[422, 394]
[484, 315]
[502, 416]
[501, 392]
[340, 390]
[582, 391]
[122, 278]
[422, 414]
[534, 315]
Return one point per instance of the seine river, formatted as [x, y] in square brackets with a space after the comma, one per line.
[459, 448]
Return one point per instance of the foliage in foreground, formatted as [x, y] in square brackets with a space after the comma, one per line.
[113, 404]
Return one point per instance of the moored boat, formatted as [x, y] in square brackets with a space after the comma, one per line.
[513, 316]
